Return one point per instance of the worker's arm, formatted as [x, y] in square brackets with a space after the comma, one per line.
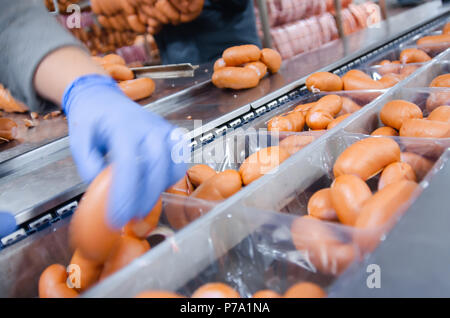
[102, 120]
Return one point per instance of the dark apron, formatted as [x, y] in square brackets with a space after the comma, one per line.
[223, 23]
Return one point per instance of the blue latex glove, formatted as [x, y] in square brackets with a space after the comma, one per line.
[7, 224]
[102, 120]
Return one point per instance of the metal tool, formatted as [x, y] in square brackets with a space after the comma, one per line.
[166, 71]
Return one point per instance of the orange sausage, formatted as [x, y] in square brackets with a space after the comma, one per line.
[318, 119]
[235, 78]
[354, 83]
[349, 106]
[127, 7]
[407, 70]
[89, 270]
[138, 88]
[266, 293]
[434, 39]
[89, 231]
[294, 121]
[220, 63]
[385, 203]
[389, 80]
[168, 10]
[348, 194]
[242, 54]
[413, 55]
[394, 172]
[52, 283]
[425, 129]
[174, 209]
[119, 72]
[304, 108]
[272, 59]
[294, 143]
[215, 290]
[337, 121]
[441, 113]
[258, 67]
[329, 103]
[8, 129]
[419, 164]
[219, 187]
[446, 29]
[9, 103]
[366, 157]
[436, 99]
[396, 112]
[113, 59]
[142, 228]
[384, 131]
[321, 207]
[324, 81]
[135, 24]
[305, 290]
[199, 174]
[261, 163]
[128, 249]
[441, 81]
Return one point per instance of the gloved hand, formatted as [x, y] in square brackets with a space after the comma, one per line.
[102, 120]
[7, 224]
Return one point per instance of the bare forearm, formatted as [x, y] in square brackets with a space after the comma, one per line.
[60, 68]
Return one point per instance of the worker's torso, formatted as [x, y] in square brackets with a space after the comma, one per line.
[223, 23]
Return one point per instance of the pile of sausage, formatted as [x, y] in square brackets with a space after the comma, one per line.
[62, 4]
[358, 80]
[8, 130]
[326, 113]
[243, 66]
[436, 41]
[350, 201]
[143, 16]
[221, 290]
[406, 119]
[135, 89]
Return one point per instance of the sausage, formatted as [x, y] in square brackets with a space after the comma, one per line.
[127, 7]
[348, 194]
[158, 294]
[182, 6]
[407, 70]
[119, 72]
[320, 206]
[380, 208]
[235, 78]
[325, 250]
[168, 10]
[386, 67]
[242, 54]
[8, 129]
[441, 113]
[337, 121]
[325, 82]
[135, 24]
[261, 163]
[174, 209]
[419, 164]
[384, 131]
[434, 39]
[220, 63]
[199, 174]
[318, 119]
[355, 82]
[258, 67]
[441, 81]
[138, 88]
[329, 103]
[366, 157]
[396, 112]
[188, 17]
[89, 231]
[272, 59]
[142, 228]
[294, 143]
[217, 188]
[128, 249]
[266, 293]
[89, 270]
[215, 290]
[413, 55]
[305, 290]
[113, 59]
[52, 283]
[294, 121]
[348, 106]
[104, 21]
[394, 172]
[446, 29]
[389, 80]
[425, 128]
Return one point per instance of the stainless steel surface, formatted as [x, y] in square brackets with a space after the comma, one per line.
[264, 17]
[51, 179]
[166, 71]
[339, 22]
